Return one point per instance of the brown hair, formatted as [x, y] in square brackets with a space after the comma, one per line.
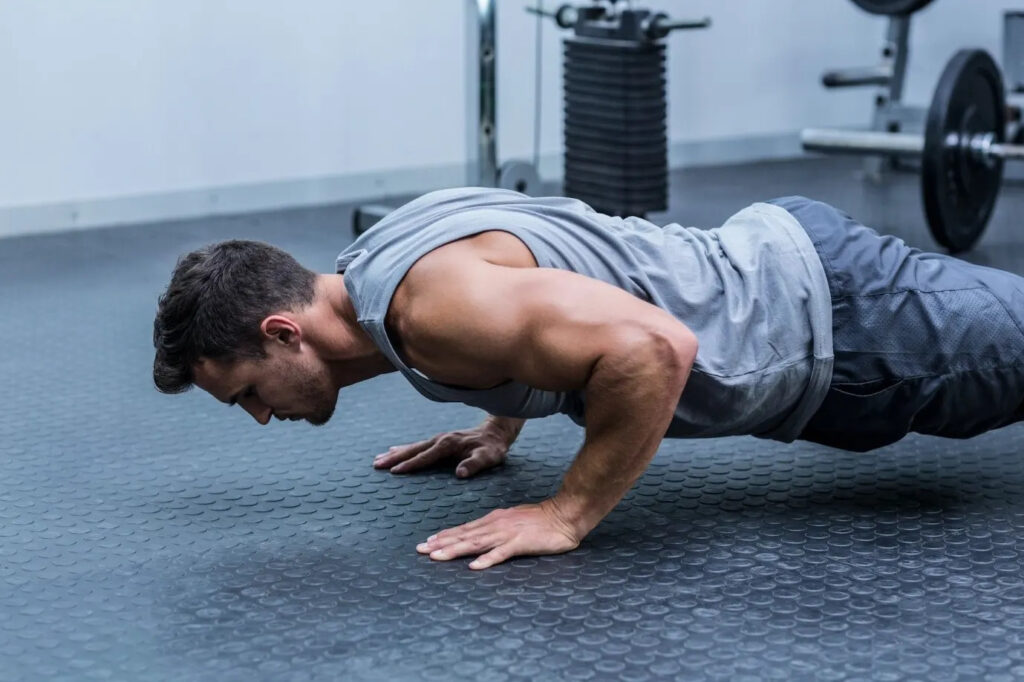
[217, 299]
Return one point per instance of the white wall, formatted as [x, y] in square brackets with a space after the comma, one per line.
[118, 110]
[120, 97]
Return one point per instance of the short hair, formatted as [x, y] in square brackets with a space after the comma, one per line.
[218, 297]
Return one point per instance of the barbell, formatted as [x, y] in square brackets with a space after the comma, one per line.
[962, 149]
[892, 7]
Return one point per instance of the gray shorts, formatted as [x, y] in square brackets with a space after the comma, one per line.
[923, 342]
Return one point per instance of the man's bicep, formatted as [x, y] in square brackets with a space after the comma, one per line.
[543, 327]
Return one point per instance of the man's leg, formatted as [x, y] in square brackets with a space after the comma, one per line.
[923, 342]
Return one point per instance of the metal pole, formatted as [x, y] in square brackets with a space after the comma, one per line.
[897, 41]
[481, 93]
[856, 142]
[890, 94]
[1007, 152]
[982, 146]
[872, 75]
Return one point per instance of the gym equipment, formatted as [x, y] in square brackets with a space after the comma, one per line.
[520, 176]
[368, 215]
[616, 144]
[890, 114]
[892, 8]
[1013, 74]
[1013, 51]
[483, 169]
[962, 150]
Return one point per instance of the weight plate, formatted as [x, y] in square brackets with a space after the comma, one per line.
[593, 172]
[611, 195]
[521, 177]
[891, 7]
[615, 142]
[577, 115]
[615, 153]
[960, 190]
[614, 68]
[583, 117]
[609, 48]
[648, 106]
[583, 122]
[616, 158]
[652, 84]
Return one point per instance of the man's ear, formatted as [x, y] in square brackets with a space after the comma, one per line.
[281, 329]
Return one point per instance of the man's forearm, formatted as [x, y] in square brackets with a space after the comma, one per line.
[630, 402]
[508, 427]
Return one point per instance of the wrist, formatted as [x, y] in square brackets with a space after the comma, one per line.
[507, 428]
[576, 513]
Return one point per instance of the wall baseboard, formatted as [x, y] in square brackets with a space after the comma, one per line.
[276, 195]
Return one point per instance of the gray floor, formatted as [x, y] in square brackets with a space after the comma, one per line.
[152, 537]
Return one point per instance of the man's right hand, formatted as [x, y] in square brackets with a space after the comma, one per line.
[472, 451]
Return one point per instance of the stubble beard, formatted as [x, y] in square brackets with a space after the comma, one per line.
[315, 389]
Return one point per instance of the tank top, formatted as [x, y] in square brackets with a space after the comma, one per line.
[753, 291]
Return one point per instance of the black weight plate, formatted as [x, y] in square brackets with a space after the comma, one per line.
[624, 49]
[577, 64]
[643, 61]
[627, 117]
[628, 96]
[584, 122]
[615, 157]
[637, 167]
[612, 150]
[626, 83]
[615, 190]
[652, 107]
[652, 176]
[640, 140]
[958, 189]
[613, 73]
[614, 68]
[891, 7]
[585, 118]
[575, 187]
[649, 64]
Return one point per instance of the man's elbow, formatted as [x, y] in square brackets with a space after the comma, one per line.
[678, 350]
[656, 357]
[668, 354]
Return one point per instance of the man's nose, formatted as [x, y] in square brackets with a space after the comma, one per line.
[261, 413]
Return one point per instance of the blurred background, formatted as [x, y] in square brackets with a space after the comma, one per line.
[136, 110]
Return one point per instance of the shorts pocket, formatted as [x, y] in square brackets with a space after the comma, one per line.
[861, 416]
[867, 389]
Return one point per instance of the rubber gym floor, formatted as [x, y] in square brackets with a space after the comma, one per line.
[152, 537]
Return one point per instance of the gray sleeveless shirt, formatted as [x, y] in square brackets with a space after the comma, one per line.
[753, 291]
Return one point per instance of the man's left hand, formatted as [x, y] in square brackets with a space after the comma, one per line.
[529, 529]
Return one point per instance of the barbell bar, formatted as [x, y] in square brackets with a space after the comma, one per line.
[982, 146]
[962, 149]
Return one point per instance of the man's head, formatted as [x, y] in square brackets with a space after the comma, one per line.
[233, 322]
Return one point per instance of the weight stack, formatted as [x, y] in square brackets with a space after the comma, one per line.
[616, 144]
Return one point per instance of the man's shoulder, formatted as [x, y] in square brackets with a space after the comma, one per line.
[492, 246]
[429, 306]
[451, 271]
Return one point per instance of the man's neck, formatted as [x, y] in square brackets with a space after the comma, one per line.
[352, 354]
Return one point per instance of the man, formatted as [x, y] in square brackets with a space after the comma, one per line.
[789, 321]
